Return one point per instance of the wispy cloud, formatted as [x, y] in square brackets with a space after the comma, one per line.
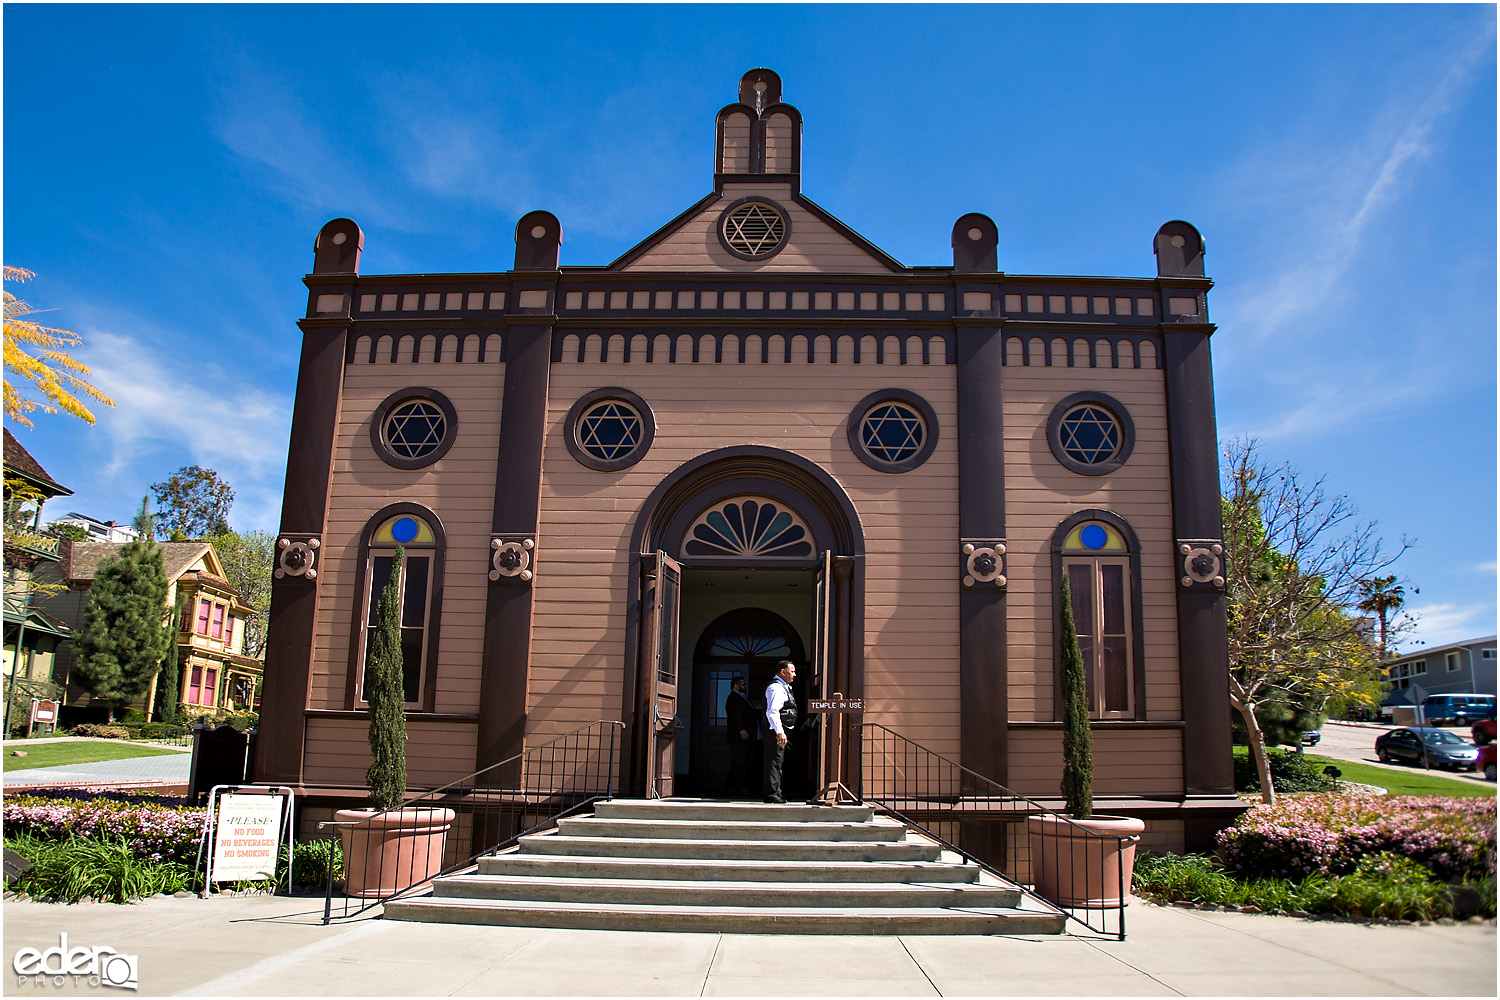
[1345, 189]
[1441, 623]
[183, 404]
[1486, 567]
[263, 121]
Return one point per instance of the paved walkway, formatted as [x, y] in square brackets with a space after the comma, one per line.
[269, 946]
[163, 767]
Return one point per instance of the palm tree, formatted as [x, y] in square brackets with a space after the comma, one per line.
[1383, 598]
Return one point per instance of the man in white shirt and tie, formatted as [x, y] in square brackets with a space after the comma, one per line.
[781, 718]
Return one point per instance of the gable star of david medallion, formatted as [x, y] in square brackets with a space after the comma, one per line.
[754, 229]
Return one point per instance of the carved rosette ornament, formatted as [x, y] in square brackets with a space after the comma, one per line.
[1201, 563]
[512, 558]
[297, 556]
[982, 562]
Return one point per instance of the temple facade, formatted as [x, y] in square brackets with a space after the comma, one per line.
[757, 436]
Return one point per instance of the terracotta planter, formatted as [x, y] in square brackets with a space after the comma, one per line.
[393, 851]
[1072, 868]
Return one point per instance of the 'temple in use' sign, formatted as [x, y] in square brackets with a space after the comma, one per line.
[245, 837]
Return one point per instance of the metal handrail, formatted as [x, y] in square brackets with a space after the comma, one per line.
[495, 806]
[977, 817]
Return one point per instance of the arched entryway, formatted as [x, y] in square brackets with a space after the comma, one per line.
[780, 533]
[747, 642]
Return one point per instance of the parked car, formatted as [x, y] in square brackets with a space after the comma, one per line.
[1457, 709]
[1311, 737]
[1486, 760]
[1429, 745]
[1483, 732]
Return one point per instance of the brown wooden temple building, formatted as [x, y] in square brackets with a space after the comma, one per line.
[755, 435]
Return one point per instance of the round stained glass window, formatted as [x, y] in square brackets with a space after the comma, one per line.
[893, 432]
[753, 229]
[415, 429]
[610, 430]
[1090, 434]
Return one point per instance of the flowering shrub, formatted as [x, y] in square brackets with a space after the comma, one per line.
[158, 830]
[1328, 834]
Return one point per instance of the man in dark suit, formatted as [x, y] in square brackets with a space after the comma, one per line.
[742, 733]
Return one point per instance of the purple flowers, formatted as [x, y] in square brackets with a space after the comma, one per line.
[156, 829]
[1300, 835]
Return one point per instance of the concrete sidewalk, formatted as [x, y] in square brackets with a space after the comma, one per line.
[173, 767]
[275, 946]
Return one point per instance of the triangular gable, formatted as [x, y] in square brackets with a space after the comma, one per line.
[817, 242]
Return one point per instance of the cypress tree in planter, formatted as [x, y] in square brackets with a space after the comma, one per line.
[389, 849]
[1081, 862]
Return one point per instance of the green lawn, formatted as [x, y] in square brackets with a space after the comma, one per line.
[74, 752]
[1405, 780]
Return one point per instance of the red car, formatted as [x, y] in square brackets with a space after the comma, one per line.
[1483, 732]
[1486, 761]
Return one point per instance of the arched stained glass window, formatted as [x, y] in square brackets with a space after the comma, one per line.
[743, 642]
[1098, 560]
[414, 581]
[748, 527]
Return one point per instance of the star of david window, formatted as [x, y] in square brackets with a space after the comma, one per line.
[753, 229]
[1090, 433]
[893, 430]
[609, 429]
[413, 428]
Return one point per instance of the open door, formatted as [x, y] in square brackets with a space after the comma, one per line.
[661, 598]
[822, 680]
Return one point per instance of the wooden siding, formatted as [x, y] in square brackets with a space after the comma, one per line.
[736, 132]
[1145, 762]
[780, 136]
[1040, 493]
[338, 751]
[814, 245]
[910, 524]
[458, 488]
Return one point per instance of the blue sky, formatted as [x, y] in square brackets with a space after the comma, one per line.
[166, 170]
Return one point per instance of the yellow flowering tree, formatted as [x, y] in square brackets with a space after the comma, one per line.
[39, 355]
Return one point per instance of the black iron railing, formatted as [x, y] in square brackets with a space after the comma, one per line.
[390, 854]
[1068, 865]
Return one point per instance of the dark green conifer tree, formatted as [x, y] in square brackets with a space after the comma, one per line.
[385, 693]
[168, 681]
[1078, 743]
[124, 638]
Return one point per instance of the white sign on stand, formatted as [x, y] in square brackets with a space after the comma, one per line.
[245, 824]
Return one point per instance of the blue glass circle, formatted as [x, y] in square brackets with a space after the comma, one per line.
[405, 529]
[1093, 537]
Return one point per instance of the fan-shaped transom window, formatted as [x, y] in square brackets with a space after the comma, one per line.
[610, 430]
[744, 640]
[892, 431]
[1090, 434]
[751, 527]
[754, 229]
[415, 428]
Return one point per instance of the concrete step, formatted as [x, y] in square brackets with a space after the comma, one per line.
[911, 849]
[779, 870]
[695, 829]
[730, 811]
[730, 919]
[759, 895]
